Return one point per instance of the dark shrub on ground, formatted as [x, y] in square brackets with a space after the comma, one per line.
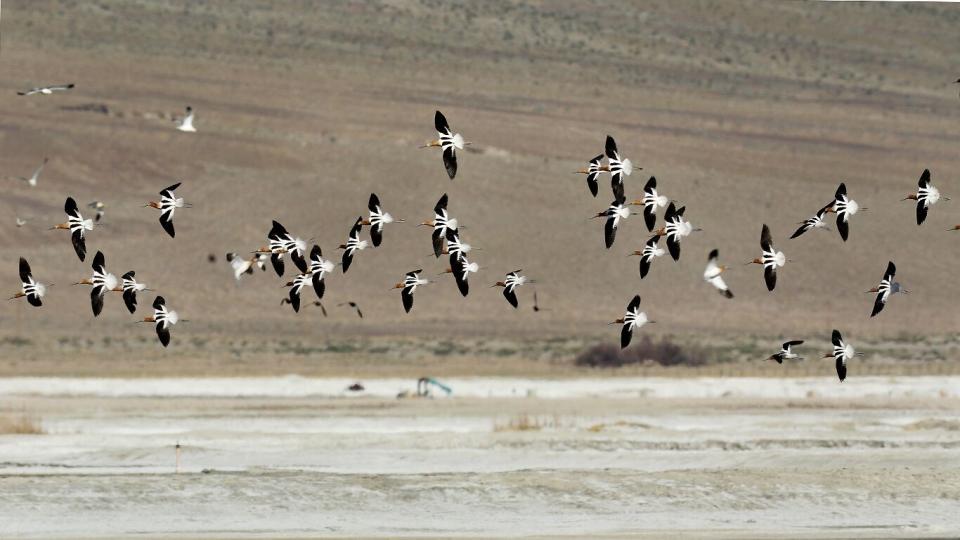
[664, 352]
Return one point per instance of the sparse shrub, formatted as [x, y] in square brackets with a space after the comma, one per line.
[20, 424]
[665, 352]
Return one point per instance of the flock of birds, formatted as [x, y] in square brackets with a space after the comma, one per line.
[446, 240]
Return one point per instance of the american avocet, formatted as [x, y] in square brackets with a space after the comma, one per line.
[771, 259]
[815, 222]
[167, 205]
[32, 180]
[353, 245]
[102, 282]
[99, 207]
[844, 207]
[651, 201]
[786, 353]
[378, 218]
[319, 268]
[286, 300]
[280, 242]
[617, 211]
[447, 140]
[926, 196]
[632, 320]
[354, 305]
[675, 228]
[455, 246]
[712, 274]
[441, 222]
[409, 285]
[510, 284]
[131, 287]
[296, 286]
[76, 225]
[30, 288]
[461, 268]
[240, 265]
[651, 251]
[886, 289]
[619, 167]
[593, 170]
[164, 319]
[46, 90]
[842, 353]
[186, 123]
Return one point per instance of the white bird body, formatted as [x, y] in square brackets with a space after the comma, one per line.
[186, 123]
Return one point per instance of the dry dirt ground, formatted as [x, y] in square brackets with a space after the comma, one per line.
[746, 112]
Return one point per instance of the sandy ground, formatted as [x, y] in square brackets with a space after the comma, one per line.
[294, 457]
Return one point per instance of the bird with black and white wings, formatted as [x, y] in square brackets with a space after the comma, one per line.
[30, 288]
[448, 141]
[816, 222]
[186, 123]
[102, 282]
[632, 320]
[409, 285]
[926, 196]
[296, 287]
[886, 289]
[619, 167]
[510, 283]
[441, 222]
[242, 266]
[77, 226]
[163, 319]
[353, 245]
[786, 352]
[100, 208]
[33, 178]
[456, 247]
[281, 242]
[712, 274]
[131, 287]
[844, 207]
[675, 228]
[378, 218]
[46, 90]
[593, 170]
[651, 201]
[168, 204]
[771, 259]
[842, 353]
[617, 211]
[319, 268]
[651, 250]
[461, 268]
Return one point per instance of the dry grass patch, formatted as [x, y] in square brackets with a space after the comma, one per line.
[526, 422]
[20, 424]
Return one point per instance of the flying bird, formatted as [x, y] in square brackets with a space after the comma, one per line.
[168, 204]
[186, 123]
[32, 180]
[21, 222]
[448, 141]
[651, 201]
[281, 242]
[77, 226]
[632, 320]
[617, 211]
[353, 245]
[441, 222]
[786, 352]
[926, 196]
[242, 266]
[619, 167]
[771, 258]
[675, 228]
[30, 288]
[887, 288]
[102, 282]
[536, 305]
[353, 305]
[378, 218]
[319, 268]
[296, 286]
[842, 353]
[651, 251]
[46, 90]
[99, 207]
[510, 284]
[461, 268]
[844, 207]
[815, 222]
[455, 246]
[163, 319]
[593, 170]
[286, 300]
[409, 285]
[131, 287]
[712, 274]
